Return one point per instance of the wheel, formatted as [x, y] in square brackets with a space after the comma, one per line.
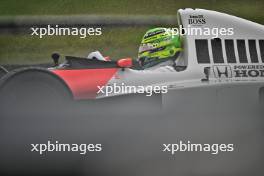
[31, 110]
[32, 90]
[3, 71]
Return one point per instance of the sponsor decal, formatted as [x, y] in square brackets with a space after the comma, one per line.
[238, 71]
[196, 20]
[222, 71]
[248, 71]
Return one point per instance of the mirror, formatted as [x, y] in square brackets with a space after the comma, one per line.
[55, 56]
[125, 63]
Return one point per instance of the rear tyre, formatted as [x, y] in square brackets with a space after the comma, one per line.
[33, 90]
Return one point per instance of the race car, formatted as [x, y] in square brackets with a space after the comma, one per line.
[218, 66]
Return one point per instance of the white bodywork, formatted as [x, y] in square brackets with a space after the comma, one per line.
[242, 80]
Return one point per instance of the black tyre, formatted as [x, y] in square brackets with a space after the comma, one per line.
[32, 90]
[3, 71]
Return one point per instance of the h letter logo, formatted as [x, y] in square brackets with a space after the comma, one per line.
[222, 71]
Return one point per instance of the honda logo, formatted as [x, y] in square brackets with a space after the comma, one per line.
[222, 71]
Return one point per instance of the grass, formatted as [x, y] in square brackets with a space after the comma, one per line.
[248, 9]
[115, 42]
[26, 49]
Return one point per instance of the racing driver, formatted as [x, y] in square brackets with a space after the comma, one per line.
[161, 50]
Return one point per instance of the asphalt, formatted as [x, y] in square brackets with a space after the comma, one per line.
[132, 131]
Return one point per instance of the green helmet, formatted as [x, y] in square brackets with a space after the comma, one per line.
[158, 45]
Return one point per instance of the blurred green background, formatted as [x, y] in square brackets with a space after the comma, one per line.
[116, 42]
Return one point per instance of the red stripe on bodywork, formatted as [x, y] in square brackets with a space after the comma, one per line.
[84, 82]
